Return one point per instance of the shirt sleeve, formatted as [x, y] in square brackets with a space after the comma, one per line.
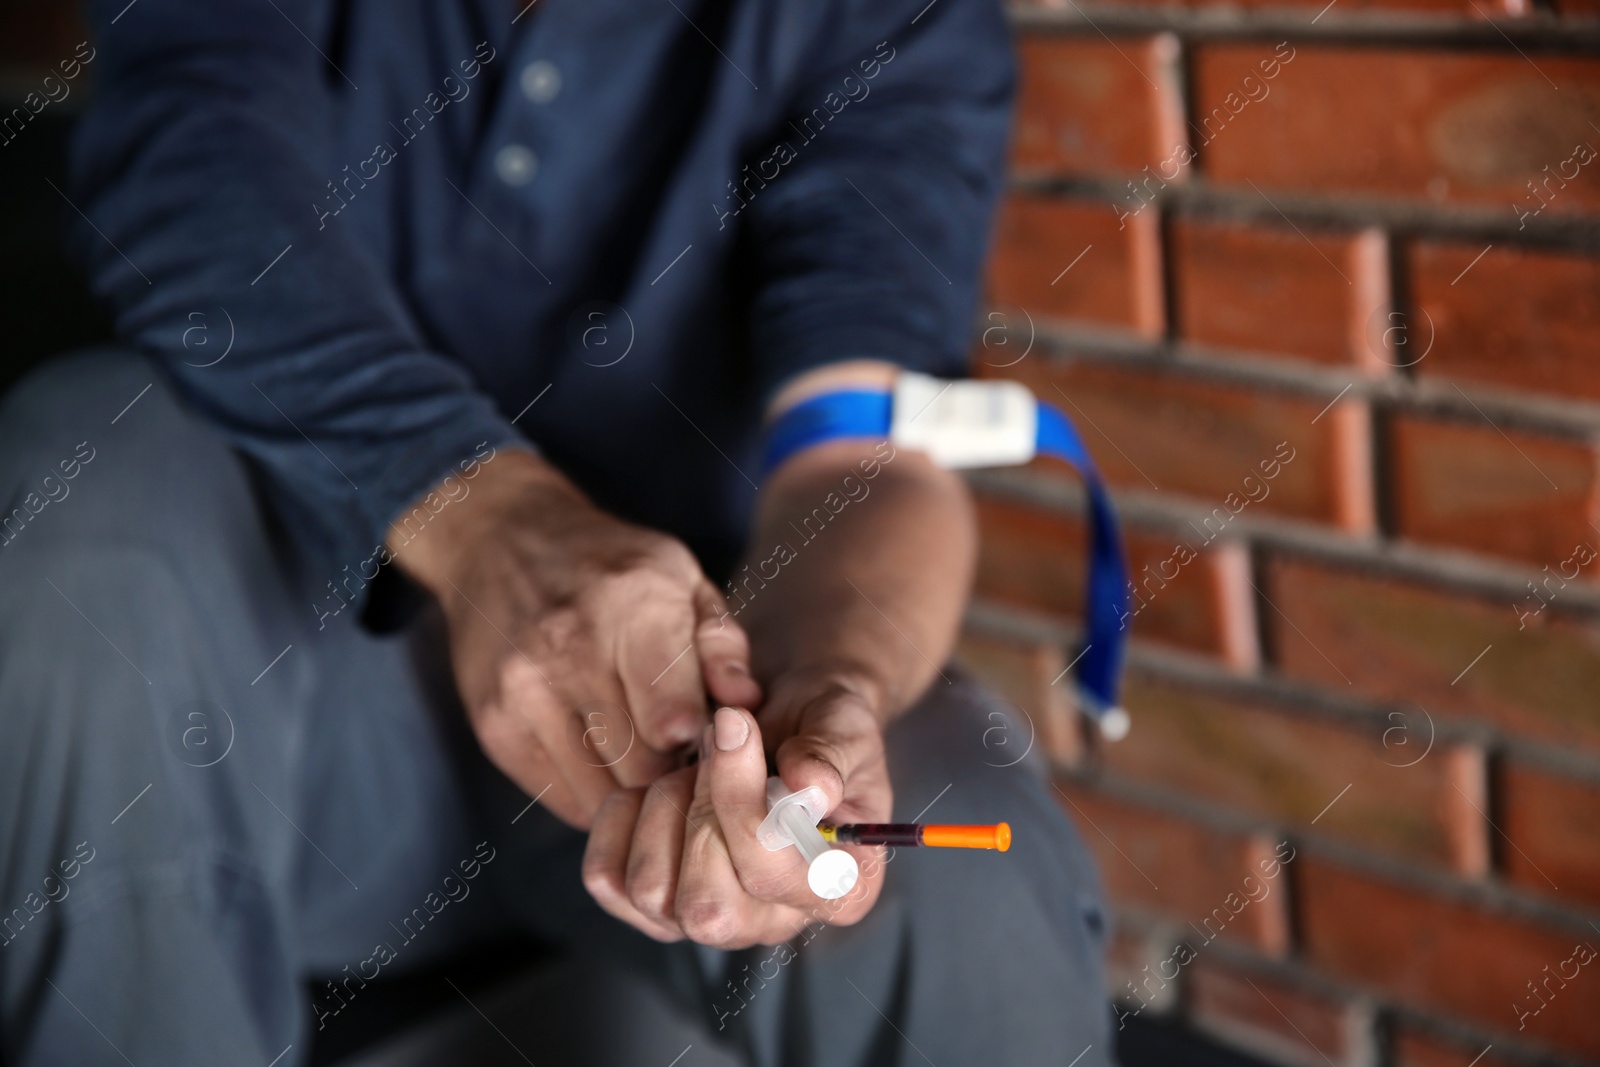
[870, 237]
[195, 172]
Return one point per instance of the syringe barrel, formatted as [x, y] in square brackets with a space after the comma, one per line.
[806, 838]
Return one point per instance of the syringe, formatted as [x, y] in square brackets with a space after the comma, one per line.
[904, 834]
[792, 820]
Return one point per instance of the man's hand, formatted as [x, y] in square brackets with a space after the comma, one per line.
[583, 646]
[845, 637]
[680, 857]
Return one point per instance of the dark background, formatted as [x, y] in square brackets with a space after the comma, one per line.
[43, 305]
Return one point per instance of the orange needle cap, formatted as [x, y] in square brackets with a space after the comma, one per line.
[997, 836]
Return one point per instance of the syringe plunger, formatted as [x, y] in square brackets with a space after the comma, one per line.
[792, 820]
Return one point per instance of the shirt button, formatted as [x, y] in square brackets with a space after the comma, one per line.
[541, 81]
[515, 164]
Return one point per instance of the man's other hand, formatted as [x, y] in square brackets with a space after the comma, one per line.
[679, 858]
[583, 646]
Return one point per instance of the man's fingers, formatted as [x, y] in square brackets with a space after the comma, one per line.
[581, 768]
[657, 850]
[724, 651]
[605, 858]
[839, 749]
[605, 862]
[506, 729]
[737, 782]
[712, 907]
[602, 733]
[535, 772]
[658, 668]
[849, 766]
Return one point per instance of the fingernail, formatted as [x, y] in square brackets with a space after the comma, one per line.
[732, 729]
[733, 666]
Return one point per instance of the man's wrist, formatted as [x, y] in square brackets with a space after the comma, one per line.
[516, 479]
[794, 689]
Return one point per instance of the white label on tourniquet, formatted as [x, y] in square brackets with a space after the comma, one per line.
[965, 423]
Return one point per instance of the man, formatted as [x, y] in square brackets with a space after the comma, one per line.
[451, 331]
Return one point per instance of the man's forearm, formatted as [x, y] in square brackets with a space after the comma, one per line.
[860, 565]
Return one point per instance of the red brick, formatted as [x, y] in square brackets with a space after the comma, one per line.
[1035, 558]
[1419, 645]
[1152, 430]
[1186, 872]
[1466, 768]
[1269, 761]
[1233, 283]
[1413, 1046]
[1496, 490]
[1095, 105]
[1114, 282]
[1276, 1018]
[1514, 317]
[1439, 953]
[1552, 832]
[1025, 674]
[1422, 123]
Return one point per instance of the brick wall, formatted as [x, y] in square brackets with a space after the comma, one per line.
[1321, 287]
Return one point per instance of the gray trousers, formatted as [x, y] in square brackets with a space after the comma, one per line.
[221, 816]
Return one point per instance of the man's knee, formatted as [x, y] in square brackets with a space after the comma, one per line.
[964, 754]
[129, 531]
[979, 950]
[72, 392]
[961, 750]
[49, 438]
[95, 447]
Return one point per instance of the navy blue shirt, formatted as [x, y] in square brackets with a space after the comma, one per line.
[412, 219]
